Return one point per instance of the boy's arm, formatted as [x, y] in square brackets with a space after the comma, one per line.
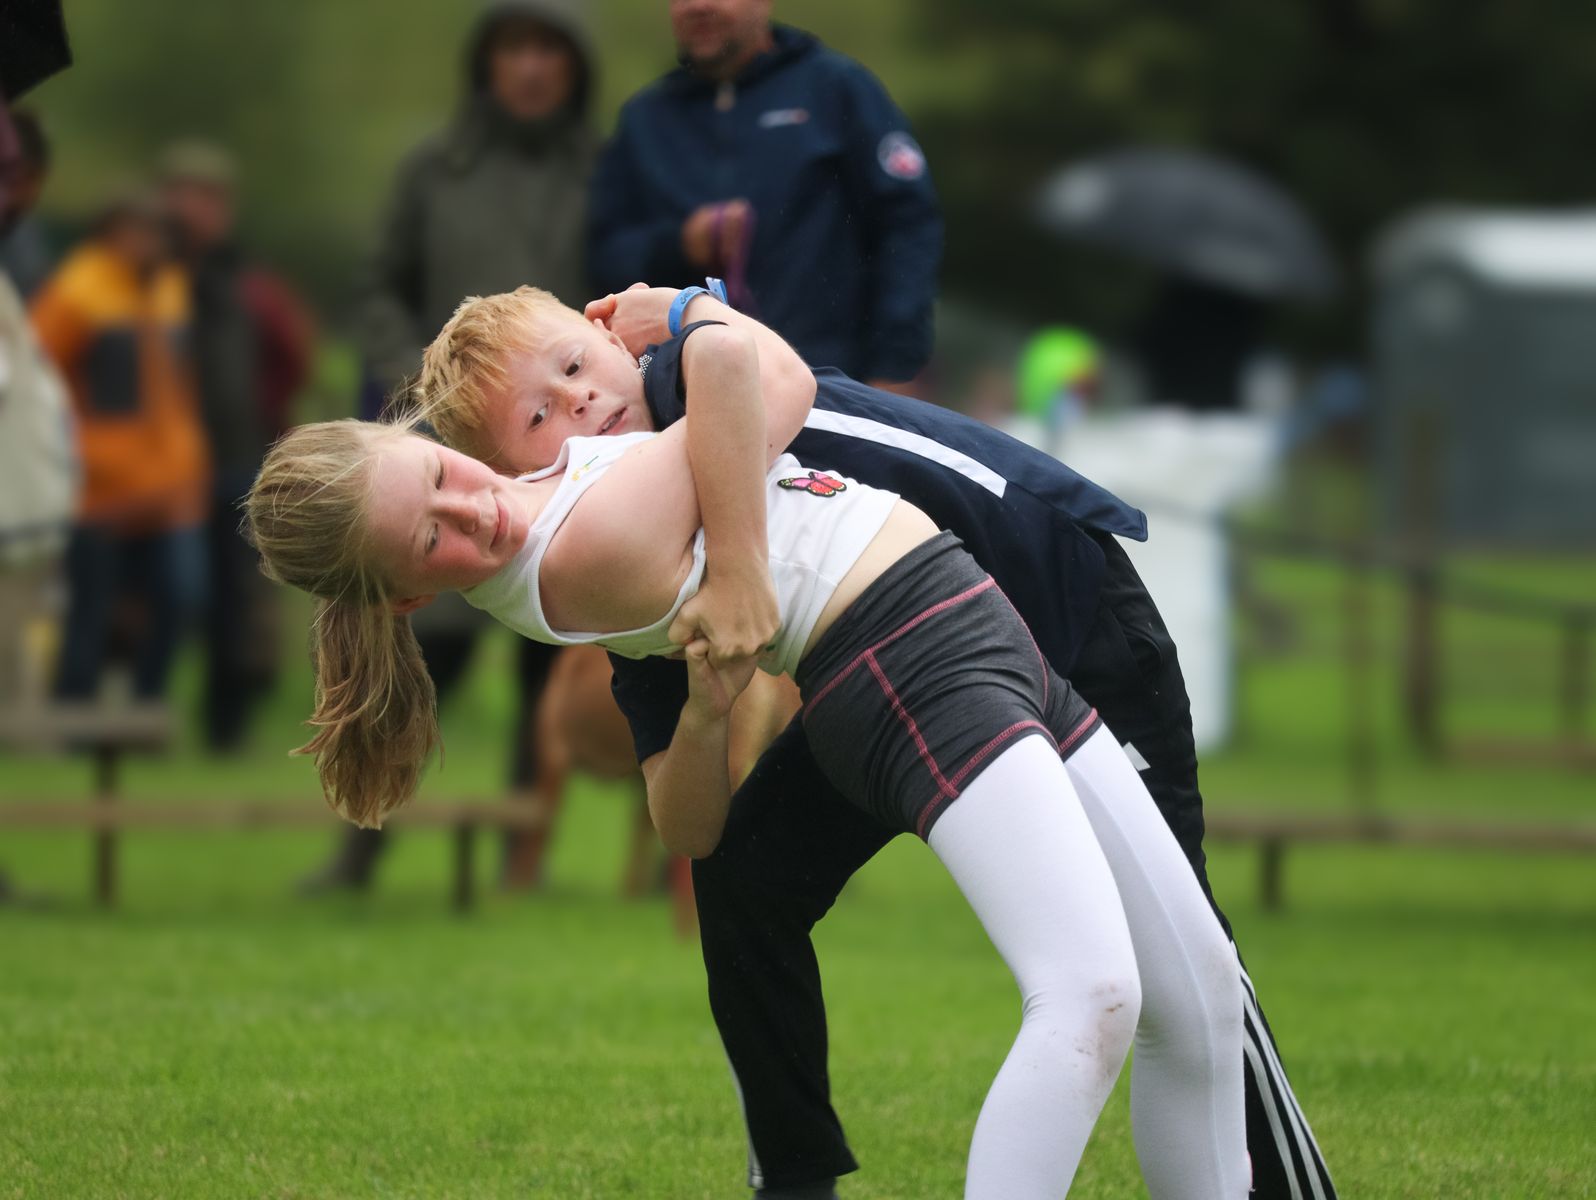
[639, 317]
[689, 784]
[735, 606]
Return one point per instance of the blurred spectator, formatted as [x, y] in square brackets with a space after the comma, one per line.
[114, 318]
[785, 167]
[493, 201]
[251, 347]
[1058, 376]
[38, 465]
[285, 345]
[25, 254]
[1194, 343]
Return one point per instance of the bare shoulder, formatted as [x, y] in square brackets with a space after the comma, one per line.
[618, 558]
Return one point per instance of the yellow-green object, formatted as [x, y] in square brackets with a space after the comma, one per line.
[1055, 362]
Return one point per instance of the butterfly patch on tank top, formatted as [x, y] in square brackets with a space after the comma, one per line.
[814, 483]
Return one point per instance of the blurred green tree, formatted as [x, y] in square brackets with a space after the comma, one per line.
[1363, 108]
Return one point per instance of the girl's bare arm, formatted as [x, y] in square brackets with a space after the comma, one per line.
[618, 561]
[735, 609]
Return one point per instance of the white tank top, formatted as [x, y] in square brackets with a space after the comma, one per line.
[819, 524]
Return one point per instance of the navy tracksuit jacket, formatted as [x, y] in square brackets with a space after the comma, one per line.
[1024, 516]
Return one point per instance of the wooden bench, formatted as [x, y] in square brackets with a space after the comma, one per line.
[1273, 832]
[105, 821]
[111, 732]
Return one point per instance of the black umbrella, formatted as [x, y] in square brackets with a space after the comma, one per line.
[1192, 214]
[33, 44]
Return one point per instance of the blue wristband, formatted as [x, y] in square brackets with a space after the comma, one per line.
[717, 288]
[678, 306]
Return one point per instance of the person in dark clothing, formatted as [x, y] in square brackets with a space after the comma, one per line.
[36, 451]
[26, 256]
[494, 200]
[1048, 536]
[1194, 342]
[784, 166]
[231, 344]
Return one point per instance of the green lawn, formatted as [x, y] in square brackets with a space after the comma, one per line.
[216, 1037]
[213, 1038]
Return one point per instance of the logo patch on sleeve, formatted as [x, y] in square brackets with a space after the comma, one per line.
[900, 156]
[814, 483]
[775, 118]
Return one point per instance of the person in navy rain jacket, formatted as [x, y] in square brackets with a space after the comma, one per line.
[783, 166]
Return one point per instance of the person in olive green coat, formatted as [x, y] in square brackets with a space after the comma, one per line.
[496, 198]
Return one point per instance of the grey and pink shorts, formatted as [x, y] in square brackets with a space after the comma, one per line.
[925, 679]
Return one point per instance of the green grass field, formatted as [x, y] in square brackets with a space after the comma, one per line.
[215, 1037]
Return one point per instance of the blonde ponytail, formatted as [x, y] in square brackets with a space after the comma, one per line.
[375, 713]
[375, 709]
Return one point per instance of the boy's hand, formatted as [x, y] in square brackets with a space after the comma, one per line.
[638, 316]
[734, 612]
[711, 689]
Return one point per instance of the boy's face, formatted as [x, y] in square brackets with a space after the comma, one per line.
[576, 380]
[438, 520]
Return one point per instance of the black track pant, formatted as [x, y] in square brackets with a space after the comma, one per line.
[791, 842]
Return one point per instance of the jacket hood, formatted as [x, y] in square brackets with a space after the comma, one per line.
[567, 17]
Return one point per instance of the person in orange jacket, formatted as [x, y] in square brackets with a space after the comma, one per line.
[115, 317]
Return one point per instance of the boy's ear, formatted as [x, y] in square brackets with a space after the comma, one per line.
[409, 604]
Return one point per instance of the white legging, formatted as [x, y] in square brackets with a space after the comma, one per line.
[1088, 898]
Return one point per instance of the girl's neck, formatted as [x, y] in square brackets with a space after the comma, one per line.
[534, 494]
